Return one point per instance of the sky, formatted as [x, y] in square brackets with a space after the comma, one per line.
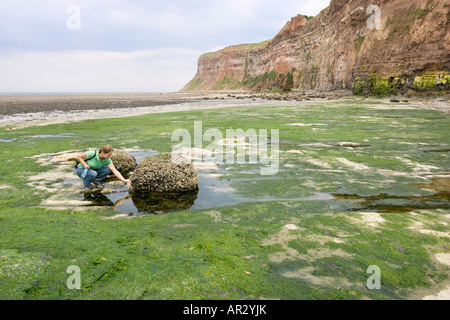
[88, 46]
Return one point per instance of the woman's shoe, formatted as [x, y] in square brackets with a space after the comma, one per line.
[98, 184]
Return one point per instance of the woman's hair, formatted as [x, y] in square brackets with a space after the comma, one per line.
[106, 149]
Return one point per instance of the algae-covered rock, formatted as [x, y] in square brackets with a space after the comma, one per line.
[160, 174]
[124, 162]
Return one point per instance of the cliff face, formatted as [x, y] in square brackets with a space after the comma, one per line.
[377, 46]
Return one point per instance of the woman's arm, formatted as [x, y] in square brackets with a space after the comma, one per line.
[117, 173]
[81, 158]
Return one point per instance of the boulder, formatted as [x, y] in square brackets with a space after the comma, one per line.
[160, 174]
[124, 162]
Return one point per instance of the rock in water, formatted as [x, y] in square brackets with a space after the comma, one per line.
[160, 174]
[124, 162]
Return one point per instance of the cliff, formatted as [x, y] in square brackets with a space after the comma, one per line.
[369, 46]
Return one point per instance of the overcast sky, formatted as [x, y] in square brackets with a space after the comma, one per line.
[64, 46]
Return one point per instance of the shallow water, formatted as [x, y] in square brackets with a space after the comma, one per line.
[388, 203]
[212, 192]
[61, 135]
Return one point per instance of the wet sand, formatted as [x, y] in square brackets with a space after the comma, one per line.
[23, 104]
[20, 111]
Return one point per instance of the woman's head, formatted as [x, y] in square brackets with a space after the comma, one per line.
[106, 150]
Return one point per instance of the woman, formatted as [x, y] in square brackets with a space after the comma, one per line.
[100, 166]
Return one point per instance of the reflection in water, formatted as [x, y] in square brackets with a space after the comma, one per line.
[98, 199]
[157, 202]
[212, 192]
[393, 203]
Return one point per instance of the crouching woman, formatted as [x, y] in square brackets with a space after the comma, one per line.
[100, 166]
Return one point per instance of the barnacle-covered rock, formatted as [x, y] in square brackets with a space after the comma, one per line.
[124, 162]
[160, 174]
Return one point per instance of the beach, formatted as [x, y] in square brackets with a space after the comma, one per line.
[20, 111]
[23, 110]
[11, 104]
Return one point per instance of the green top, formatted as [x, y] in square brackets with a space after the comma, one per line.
[95, 162]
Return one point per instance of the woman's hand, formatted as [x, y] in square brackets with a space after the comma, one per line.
[126, 181]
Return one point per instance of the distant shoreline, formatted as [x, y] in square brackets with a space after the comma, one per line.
[27, 104]
[11, 104]
[45, 110]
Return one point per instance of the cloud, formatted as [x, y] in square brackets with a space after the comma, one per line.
[133, 25]
[158, 70]
[127, 45]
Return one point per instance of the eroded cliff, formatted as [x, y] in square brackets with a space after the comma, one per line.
[369, 46]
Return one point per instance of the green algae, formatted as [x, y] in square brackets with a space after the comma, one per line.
[431, 80]
[423, 82]
[280, 245]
